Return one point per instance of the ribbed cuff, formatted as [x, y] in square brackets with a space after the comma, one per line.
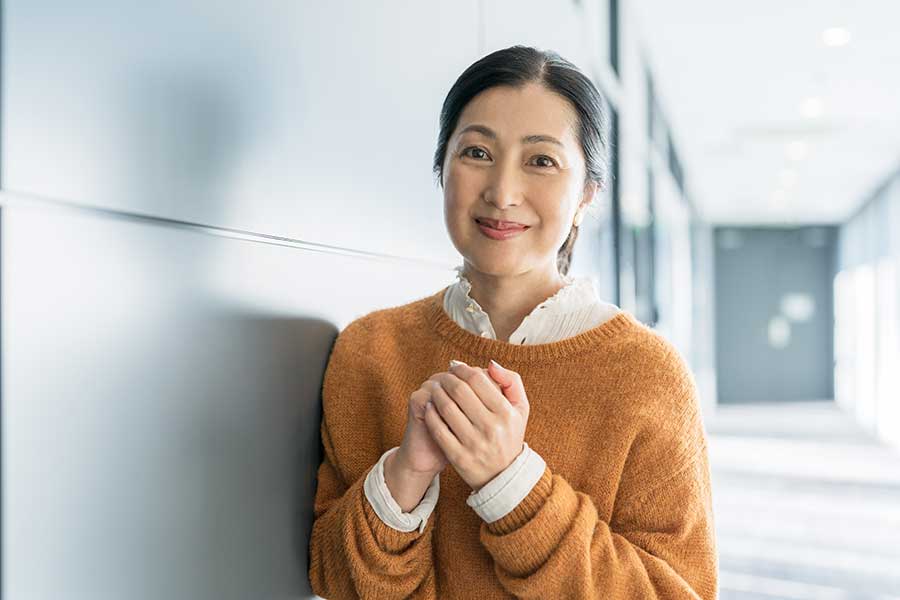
[504, 492]
[528, 509]
[388, 510]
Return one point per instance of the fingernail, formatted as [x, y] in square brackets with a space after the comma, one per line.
[496, 364]
[454, 363]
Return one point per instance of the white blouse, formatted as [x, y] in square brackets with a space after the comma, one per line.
[573, 309]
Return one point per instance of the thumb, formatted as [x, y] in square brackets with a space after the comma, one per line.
[510, 383]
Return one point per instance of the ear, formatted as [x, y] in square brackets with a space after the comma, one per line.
[590, 191]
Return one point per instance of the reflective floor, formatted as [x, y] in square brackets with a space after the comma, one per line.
[807, 505]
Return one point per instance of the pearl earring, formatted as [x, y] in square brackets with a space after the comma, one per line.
[578, 218]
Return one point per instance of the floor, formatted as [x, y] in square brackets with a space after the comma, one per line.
[807, 506]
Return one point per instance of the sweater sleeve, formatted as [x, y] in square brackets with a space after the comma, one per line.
[658, 543]
[379, 496]
[352, 552]
[503, 493]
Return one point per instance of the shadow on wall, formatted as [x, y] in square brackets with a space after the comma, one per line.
[190, 455]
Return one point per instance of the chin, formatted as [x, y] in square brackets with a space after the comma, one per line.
[495, 266]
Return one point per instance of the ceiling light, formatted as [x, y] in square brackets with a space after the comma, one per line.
[836, 36]
[812, 108]
[788, 177]
[796, 150]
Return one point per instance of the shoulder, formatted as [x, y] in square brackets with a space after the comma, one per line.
[378, 331]
[363, 350]
[660, 371]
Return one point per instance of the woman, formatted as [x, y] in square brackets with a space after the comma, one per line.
[603, 491]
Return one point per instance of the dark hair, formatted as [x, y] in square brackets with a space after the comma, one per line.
[516, 66]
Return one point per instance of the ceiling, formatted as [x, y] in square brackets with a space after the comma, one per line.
[773, 124]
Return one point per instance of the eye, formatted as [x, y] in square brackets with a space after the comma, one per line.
[552, 163]
[476, 149]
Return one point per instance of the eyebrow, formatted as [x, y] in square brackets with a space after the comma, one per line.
[528, 139]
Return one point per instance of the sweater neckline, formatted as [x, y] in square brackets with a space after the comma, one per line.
[587, 341]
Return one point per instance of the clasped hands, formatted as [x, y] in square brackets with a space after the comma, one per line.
[477, 417]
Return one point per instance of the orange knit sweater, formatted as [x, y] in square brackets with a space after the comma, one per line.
[623, 509]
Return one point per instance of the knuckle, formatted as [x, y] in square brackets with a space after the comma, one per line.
[434, 397]
[475, 376]
[468, 374]
[455, 385]
[436, 391]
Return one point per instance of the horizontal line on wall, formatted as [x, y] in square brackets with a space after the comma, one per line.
[13, 199]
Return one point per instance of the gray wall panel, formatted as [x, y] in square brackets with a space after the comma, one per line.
[161, 404]
[312, 120]
[757, 271]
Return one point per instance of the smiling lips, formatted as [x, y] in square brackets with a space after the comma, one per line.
[500, 230]
[501, 225]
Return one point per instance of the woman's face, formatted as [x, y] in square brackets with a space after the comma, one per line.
[514, 156]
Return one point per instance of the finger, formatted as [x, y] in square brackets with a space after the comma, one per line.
[511, 385]
[467, 399]
[441, 433]
[417, 402]
[450, 411]
[487, 390]
[485, 371]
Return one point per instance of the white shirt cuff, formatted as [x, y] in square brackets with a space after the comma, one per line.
[503, 493]
[386, 507]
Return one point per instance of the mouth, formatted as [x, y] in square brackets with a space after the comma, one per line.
[501, 225]
[504, 230]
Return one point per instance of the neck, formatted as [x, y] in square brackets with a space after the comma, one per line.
[508, 299]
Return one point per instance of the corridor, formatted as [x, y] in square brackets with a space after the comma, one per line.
[807, 505]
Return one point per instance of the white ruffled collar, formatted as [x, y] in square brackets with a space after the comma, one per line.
[577, 294]
[576, 291]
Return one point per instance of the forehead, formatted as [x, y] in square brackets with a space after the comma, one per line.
[515, 112]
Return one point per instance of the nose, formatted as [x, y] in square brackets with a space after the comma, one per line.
[504, 187]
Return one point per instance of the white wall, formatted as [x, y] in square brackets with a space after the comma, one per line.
[867, 313]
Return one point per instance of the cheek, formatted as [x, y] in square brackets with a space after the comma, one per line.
[556, 189]
[553, 211]
[460, 178]
[453, 203]
[460, 192]
[549, 200]
[456, 208]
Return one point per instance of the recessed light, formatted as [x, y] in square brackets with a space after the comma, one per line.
[812, 108]
[796, 150]
[836, 36]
